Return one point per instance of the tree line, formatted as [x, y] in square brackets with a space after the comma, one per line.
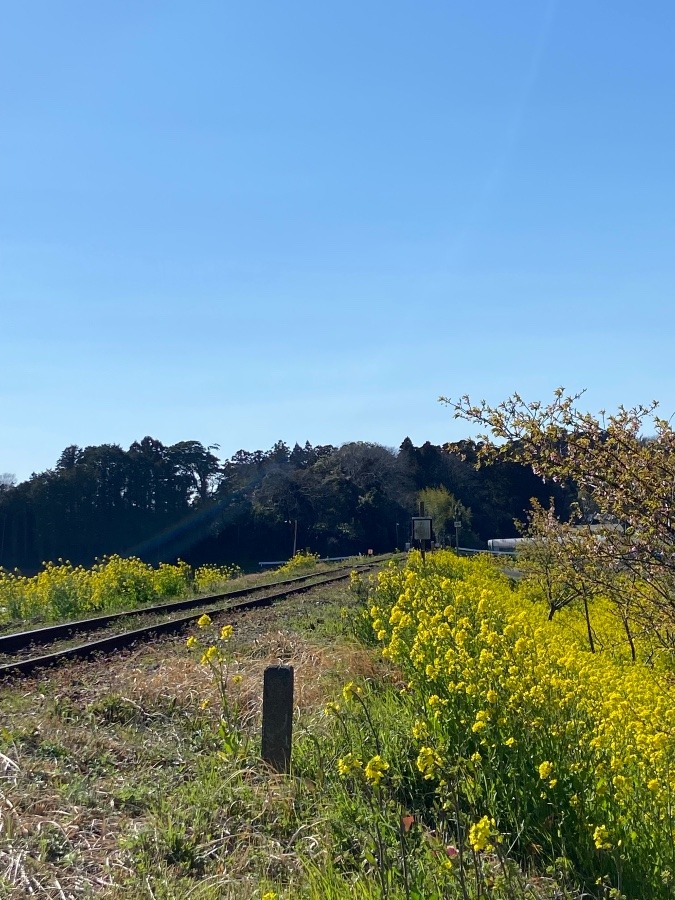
[161, 502]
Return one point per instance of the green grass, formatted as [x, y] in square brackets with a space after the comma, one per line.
[119, 779]
[62, 592]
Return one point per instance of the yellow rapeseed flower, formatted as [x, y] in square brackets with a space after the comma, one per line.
[348, 765]
[350, 690]
[226, 632]
[480, 834]
[420, 730]
[601, 838]
[209, 655]
[545, 769]
[376, 769]
[204, 621]
[501, 668]
[428, 762]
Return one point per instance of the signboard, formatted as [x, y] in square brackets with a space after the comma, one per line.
[421, 526]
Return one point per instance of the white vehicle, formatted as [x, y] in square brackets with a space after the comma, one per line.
[506, 545]
[511, 545]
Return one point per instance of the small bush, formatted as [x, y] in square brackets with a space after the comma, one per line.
[209, 579]
[301, 562]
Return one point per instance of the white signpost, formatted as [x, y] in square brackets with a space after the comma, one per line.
[421, 532]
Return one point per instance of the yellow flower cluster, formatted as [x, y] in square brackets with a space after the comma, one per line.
[480, 834]
[428, 762]
[210, 655]
[501, 687]
[545, 769]
[601, 838]
[350, 690]
[301, 562]
[208, 579]
[61, 590]
[376, 769]
[349, 765]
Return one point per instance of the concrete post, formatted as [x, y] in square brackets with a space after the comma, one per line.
[277, 724]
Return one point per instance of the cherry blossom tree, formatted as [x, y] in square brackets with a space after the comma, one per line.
[620, 537]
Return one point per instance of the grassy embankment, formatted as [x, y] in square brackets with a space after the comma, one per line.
[62, 591]
[487, 753]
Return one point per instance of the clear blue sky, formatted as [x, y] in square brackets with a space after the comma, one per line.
[238, 222]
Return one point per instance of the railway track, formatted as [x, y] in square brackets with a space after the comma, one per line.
[42, 647]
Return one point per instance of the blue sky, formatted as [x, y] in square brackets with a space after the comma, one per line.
[243, 222]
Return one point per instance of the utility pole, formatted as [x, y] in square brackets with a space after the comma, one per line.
[294, 523]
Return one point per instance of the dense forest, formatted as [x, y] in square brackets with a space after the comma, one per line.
[161, 502]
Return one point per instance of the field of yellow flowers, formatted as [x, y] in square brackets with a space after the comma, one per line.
[523, 735]
[62, 591]
[489, 756]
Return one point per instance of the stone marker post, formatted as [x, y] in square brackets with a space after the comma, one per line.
[277, 715]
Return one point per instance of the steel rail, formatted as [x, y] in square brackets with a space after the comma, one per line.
[125, 639]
